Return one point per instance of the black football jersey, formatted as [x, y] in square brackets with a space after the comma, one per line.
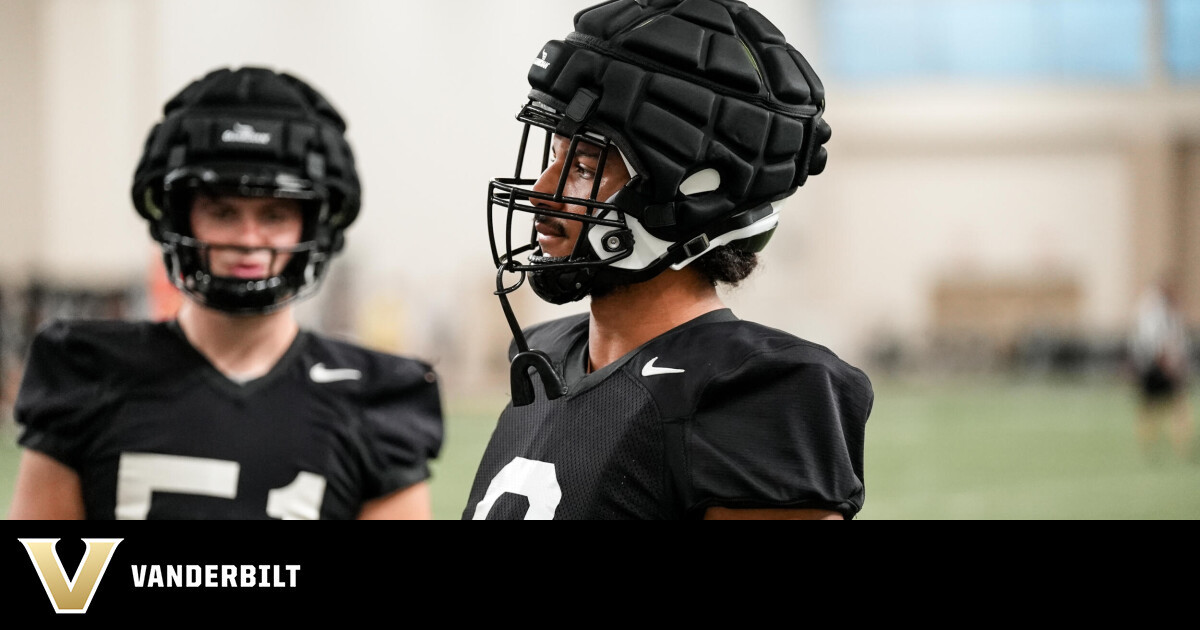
[156, 432]
[716, 412]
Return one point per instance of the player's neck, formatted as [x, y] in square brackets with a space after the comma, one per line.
[240, 347]
[632, 315]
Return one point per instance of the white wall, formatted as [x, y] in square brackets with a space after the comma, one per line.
[20, 144]
[96, 61]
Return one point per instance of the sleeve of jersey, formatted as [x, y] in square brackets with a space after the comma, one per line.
[61, 391]
[777, 434]
[403, 422]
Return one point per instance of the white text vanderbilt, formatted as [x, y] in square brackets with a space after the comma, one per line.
[215, 576]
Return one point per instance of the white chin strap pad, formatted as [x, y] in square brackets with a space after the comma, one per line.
[648, 249]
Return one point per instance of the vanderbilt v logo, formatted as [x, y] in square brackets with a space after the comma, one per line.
[75, 595]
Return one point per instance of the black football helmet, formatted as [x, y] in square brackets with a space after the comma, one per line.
[717, 118]
[249, 132]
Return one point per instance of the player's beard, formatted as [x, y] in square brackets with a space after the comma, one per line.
[605, 287]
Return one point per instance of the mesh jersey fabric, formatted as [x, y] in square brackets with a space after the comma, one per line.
[98, 396]
[743, 416]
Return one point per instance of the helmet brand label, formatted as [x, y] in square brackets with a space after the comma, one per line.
[245, 134]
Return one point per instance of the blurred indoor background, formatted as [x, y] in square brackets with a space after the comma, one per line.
[1006, 177]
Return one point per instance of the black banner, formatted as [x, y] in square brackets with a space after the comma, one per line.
[214, 570]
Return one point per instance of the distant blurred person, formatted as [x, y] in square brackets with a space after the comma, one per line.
[230, 410]
[674, 130]
[1161, 359]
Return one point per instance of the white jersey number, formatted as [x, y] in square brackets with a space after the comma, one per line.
[532, 479]
[140, 475]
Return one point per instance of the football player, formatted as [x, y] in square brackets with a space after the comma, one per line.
[674, 131]
[1160, 355]
[230, 411]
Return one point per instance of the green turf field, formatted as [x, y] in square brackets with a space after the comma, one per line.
[1018, 450]
[969, 449]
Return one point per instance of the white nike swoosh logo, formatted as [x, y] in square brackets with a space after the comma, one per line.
[321, 374]
[650, 370]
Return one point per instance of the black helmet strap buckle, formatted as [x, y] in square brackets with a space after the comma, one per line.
[582, 105]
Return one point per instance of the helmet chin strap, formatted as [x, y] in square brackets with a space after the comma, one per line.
[520, 381]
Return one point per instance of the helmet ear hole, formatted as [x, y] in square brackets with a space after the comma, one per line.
[701, 182]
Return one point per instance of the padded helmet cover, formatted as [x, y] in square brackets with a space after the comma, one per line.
[255, 123]
[688, 85]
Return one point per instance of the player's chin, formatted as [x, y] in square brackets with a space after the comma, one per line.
[241, 272]
[555, 246]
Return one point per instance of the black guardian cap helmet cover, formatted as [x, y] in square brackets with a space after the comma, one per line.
[716, 116]
[249, 132]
